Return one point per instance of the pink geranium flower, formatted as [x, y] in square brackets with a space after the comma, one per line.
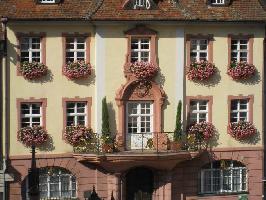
[202, 70]
[76, 70]
[143, 70]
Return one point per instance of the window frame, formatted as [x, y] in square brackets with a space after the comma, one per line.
[75, 114]
[76, 35]
[221, 171]
[199, 98]
[218, 4]
[198, 50]
[250, 99]
[249, 38]
[140, 50]
[87, 100]
[30, 116]
[60, 174]
[139, 115]
[208, 37]
[42, 36]
[42, 101]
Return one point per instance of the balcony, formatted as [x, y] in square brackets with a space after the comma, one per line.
[147, 149]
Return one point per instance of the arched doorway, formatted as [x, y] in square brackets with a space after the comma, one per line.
[139, 184]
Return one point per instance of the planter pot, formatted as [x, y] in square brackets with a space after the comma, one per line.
[107, 148]
[175, 146]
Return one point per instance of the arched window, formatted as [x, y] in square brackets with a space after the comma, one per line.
[57, 182]
[224, 176]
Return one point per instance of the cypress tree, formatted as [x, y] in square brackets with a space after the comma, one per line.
[105, 118]
[178, 123]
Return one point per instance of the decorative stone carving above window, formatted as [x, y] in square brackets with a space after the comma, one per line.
[139, 5]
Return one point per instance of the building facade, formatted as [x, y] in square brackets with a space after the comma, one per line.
[222, 159]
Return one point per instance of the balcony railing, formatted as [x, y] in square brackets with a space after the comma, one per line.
[155, 142]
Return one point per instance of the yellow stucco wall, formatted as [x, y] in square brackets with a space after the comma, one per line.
[115, 44]
[54, 90]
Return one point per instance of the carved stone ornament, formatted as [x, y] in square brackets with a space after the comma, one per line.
[142, 88]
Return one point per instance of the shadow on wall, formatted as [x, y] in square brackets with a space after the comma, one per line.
[255, 79]
[90, 80]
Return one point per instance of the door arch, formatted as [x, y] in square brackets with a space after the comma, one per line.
[139, 184]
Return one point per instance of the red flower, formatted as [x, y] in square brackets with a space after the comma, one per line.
[35, 135]
[78, 69]
[143, 70]
[202, 130]
[200, 70]
[33, 70]
[241, 130]
[77, 135]
[241, 70]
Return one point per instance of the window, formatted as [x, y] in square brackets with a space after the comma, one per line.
[76, 113]
[239, 110]
[47, 1]
[198, 50]
[31, 114]
[30, 49]
[139, 117]
[199, 47]
[57, 183]
[217, 2]
[224, 176]
[75, 49]
[198, 111]
[142, 4]
[239, 50]
[140, 49]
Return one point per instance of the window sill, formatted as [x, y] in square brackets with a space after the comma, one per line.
[221, 194]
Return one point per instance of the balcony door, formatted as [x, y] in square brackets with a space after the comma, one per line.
[139, 117]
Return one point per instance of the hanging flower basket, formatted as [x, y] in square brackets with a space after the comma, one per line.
[35, 135]
[78, 135]
[202, 130]
[241, 70]
[143, 70]
[242, 130]
[33, 70]
[202, 70]
[76, 70]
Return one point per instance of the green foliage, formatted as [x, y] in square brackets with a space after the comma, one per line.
[178, 123]
[105, 118]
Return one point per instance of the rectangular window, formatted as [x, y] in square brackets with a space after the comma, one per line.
[140, 49]
[30, 49]
[217, 2]
[76, 113]
[31, 114]
[198, 50]
[198, 111]
[239, 110]
[139, 117]
[75, 49]
[239, 50]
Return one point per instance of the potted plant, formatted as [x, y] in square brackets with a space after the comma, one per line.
[177, 138]
[242, 130]
[149, 143]
[35, 135]
[143, 70]
[241, 70]
[199, 71]
[81, 138]
[77, 69]
[200, 134]
[33, 70]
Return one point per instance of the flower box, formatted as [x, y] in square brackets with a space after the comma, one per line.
[76, 70]
[241, 70]
[35, 135]
[78, 135]
[33, 70]
[143, 70]
[199, 134]
[242, 130]
[202, 70]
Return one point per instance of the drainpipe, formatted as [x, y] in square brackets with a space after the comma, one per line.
[264, 116]
[4, 87]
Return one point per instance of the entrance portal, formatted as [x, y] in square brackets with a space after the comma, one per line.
[139, 184]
